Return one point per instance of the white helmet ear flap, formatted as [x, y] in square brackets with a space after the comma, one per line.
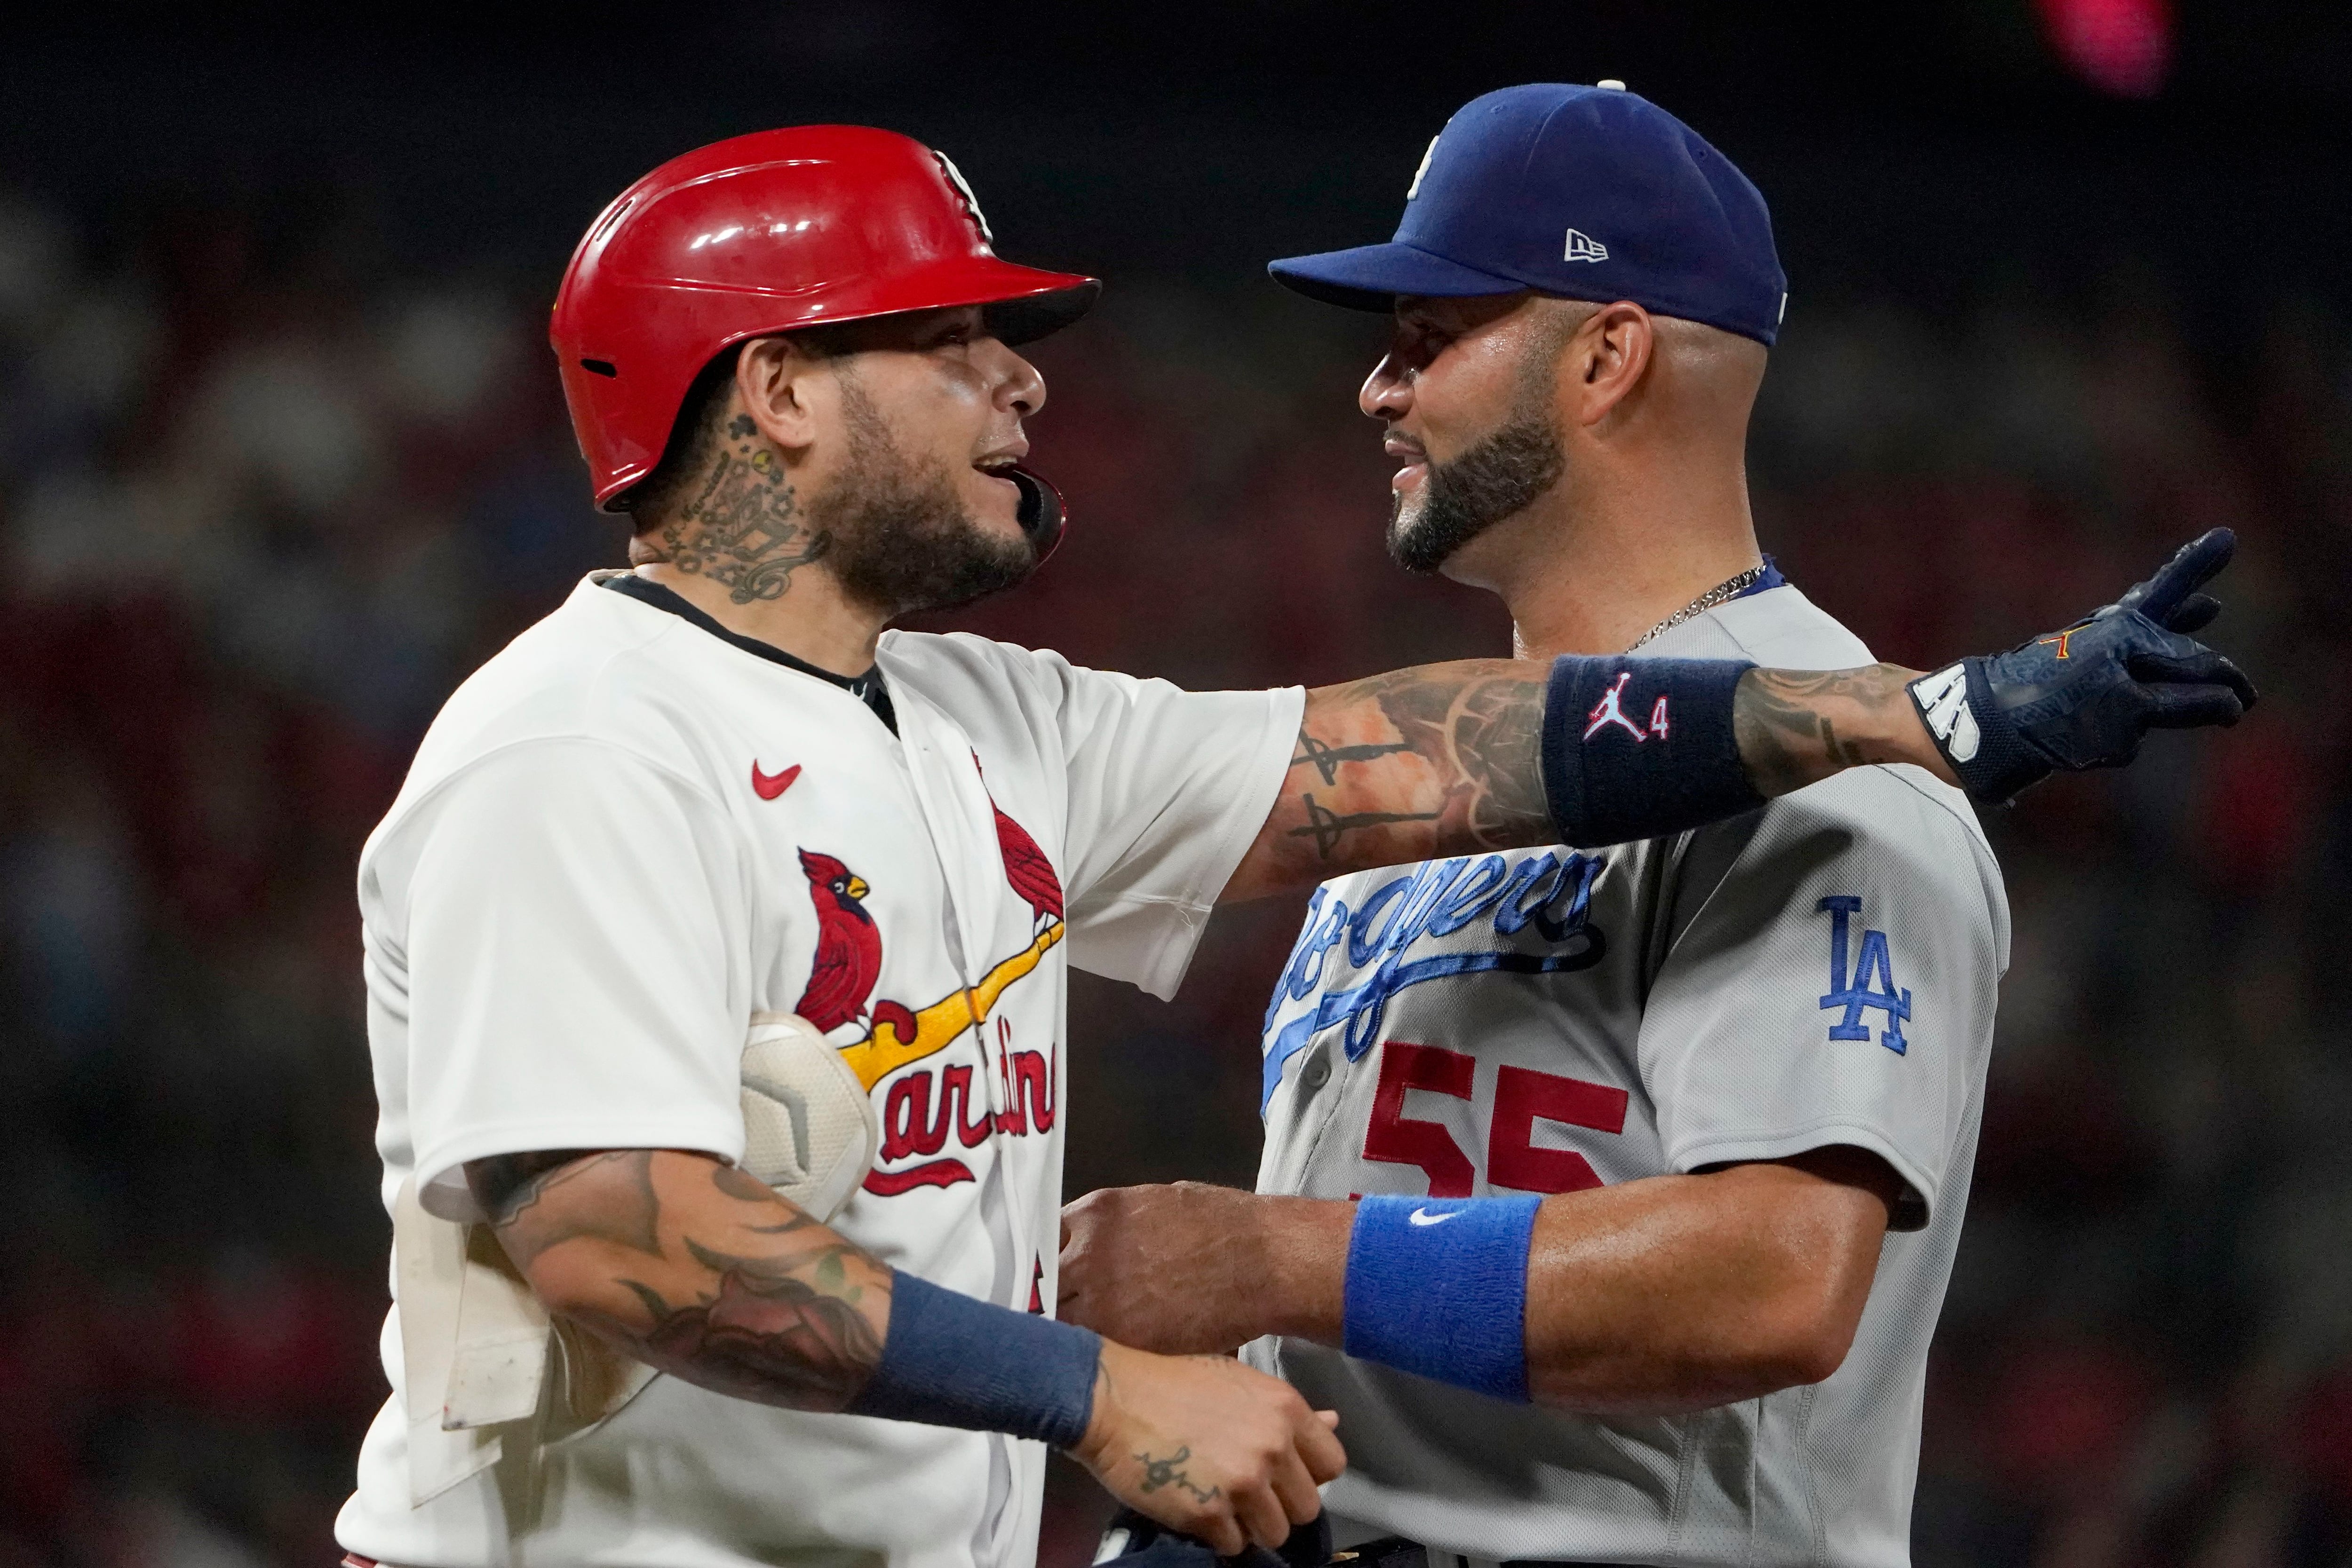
[809, 1127]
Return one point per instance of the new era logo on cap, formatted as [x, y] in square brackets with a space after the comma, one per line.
[1582, 246]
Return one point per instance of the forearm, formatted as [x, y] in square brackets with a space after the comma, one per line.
[697, 1269]
[1668, 1294]
[1678, 1293]
[1797, 727]
[1447, 759]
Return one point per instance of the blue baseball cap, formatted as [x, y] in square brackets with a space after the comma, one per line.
[1587, 192]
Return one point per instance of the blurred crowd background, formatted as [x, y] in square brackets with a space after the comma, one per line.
[282, 458]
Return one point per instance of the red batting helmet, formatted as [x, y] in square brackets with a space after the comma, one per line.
[762, 234]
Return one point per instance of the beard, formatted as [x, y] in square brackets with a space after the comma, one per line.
[1500, 477]
[899, 537]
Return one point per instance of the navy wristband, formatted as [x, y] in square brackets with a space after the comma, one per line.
[1439, 1286]
[951, 1361]
[1638, 748]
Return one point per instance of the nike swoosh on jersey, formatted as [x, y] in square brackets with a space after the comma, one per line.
[768, 786]
[1423, 1217]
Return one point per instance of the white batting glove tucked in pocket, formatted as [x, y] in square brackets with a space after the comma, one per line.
[809, 1127]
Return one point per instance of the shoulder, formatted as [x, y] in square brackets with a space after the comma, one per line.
[1780, 628]
[981, 666]
[593, 679]
[1897, 829]
[997, 689]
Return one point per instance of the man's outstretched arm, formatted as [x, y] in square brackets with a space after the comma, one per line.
[1446, 760]
[1491, 754]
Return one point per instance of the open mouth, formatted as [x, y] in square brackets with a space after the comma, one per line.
[1416, 463]
[1001, 466]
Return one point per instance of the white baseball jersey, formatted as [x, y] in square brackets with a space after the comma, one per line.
[624, 836]
[1820, 972]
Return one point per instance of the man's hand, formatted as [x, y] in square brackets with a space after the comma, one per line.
[1193, 1269]
[2087, 695]
[1209, 1446]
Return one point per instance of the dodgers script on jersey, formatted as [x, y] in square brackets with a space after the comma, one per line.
[622, 838]
[1820, 972]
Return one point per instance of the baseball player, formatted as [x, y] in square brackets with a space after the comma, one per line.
[708, 838]
[1608, 1192]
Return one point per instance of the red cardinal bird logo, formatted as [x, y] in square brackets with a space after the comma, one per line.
[1025, 865]
[848, 945]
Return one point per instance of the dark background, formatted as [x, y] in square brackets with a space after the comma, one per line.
[282, 457]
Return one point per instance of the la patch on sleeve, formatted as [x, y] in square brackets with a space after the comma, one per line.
[1871, 982]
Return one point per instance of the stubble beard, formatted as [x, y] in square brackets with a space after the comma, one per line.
[901, 540]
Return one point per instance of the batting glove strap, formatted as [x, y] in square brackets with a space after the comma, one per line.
[1639, 748]
[1439, 1286]
[950, 1361]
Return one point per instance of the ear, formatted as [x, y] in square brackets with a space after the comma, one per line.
[1606, 360]
[776, 380]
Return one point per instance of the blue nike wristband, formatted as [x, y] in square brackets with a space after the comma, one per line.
[951, 1361]
[1639, 748]
[1439, 1286]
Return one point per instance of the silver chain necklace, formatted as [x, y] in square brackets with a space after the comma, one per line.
[1721, 592]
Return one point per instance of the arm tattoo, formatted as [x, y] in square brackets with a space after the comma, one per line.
[1447, 759]
[744, 528]
[698, 1268]
[1487, 737]
[516, 1190]
[783, 1329]
[1786, 722]
[1436, 760]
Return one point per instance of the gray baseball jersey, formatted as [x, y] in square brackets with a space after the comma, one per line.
[1820, 972]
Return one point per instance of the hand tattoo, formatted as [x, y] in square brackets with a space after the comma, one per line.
[1157, 1473]
[738, 528]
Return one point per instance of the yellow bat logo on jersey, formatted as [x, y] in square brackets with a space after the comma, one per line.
[893, 1044]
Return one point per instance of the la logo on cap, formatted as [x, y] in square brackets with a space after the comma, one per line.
[1414, 189]
[1582, 246]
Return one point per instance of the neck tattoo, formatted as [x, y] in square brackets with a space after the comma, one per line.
[1722, 592]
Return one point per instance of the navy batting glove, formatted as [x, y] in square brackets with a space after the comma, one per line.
[2087, 696]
